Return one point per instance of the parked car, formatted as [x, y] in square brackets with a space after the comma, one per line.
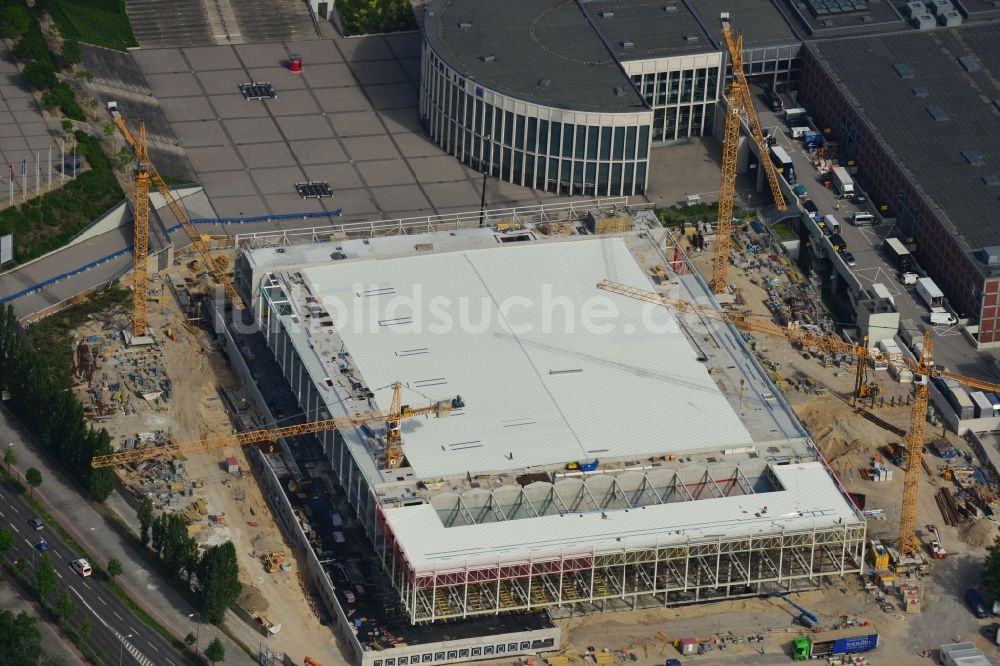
[42, 545]
[673, 662]
[838, 242]
[36, 523]
[976, 603]
[82, 567]
[810, 207]
[849, 259]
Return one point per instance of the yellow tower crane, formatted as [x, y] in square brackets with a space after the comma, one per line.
[211, 264]
[740, 100]
[392, 417]
[140, 229]
[923, 369]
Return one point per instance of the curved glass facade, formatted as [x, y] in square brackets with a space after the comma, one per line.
[544, 148]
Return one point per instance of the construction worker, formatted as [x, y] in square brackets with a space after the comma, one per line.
[836, 206]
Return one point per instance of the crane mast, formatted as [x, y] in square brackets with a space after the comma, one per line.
[740, 101]
[140, 232]
[923, 369]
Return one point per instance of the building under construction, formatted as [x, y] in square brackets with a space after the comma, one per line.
[603, 453]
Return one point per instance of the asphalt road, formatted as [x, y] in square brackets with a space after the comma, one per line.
[117, 632]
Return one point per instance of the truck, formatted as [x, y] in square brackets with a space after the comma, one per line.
[937, 550]
[929, 293]
[943, 317]
[796, 116]
[829, 643]
[898, 254]
[842, 181]
[773, 99]
[783, 163]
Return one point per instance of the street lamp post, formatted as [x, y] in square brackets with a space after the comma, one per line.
[197, 631]
[121, 650]
[486, 168]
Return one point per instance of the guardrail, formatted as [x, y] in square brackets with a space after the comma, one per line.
[260, 218]
[62, 276]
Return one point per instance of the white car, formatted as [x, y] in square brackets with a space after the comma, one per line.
[82, 567]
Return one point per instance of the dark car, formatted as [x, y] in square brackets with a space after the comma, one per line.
[849, 258]
[42, 545]
[673, 662]
[36, 523]
[838, 242]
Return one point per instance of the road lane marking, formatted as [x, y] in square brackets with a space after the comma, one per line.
[153, 646]
[16, 510]
[58, 554]
[101, 599]
[169, 662]
[59, 574]
[85, 585]
[118, 616]
[134, 630]
[14, 528]
[1, 515]
[30, 545]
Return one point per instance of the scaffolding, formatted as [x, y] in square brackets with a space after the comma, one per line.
[695, 571]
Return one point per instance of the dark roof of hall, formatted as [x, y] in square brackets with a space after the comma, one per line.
[934, 101]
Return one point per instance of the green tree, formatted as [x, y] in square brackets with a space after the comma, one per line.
[109, 129]
[190, 639]
[71, 51]
[34, 478]
[20, 640]
[85, 627]
[125, 155]
[22, 564]
[40, 74]
[145, 515]
[159, 530]
[14, 20]
[215, 652]
[46, 578]
[9, 458]
[114, 568]
[64, 608]
[991, 570]
[218, 581]
[6, 540]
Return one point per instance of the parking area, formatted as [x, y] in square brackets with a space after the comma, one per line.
[951, 348]
[349, 119]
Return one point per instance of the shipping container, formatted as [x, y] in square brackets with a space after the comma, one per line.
[783, 164]
[929, 293]
[962, 403]
[984, 408]
[995, 400]
[829, 643]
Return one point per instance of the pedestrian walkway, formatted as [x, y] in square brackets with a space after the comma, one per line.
[102, 541]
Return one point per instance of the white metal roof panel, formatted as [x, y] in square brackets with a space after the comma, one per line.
[809, 499]
[540, 388]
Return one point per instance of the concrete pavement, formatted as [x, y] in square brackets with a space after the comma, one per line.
[101, 538]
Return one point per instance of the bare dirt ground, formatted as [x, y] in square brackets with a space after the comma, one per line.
[195, 411]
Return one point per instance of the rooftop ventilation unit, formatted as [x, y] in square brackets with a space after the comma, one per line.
[950, 19]
[607, 15]
[690, 38]
[489, 57]
[990, 255]
[973, 157]
[914, 8]
[903, 71]
[970, 63]
[628, 44]
[619, 91]
[670, 9]
[938, 7]
[866, 18]
[920, 91]
[465, 25]
[544, 83]
[991, 180]
[937, 113]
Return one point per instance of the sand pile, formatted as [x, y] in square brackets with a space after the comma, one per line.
[978, 533]
[848, 440]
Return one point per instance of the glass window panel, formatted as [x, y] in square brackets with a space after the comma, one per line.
[468, 111]
[640, 178]
[508, 127]
[696, 116]
[577, 177]
[658, 124]
[581, 141]
[590, 180]
[567, 148]
[671, 131]
[554, 139]
[709, 124]
[627, 177]
[661, 89]
[606, 143]
[505, 164]
[629, 143]
[687, 85]
[529, 170]
[643, 147]
[713, 83]
[519, 132]
[700, 76]
[479, 116]
[603, 172]
[592, 133]
[543, 135]
[616, 180]
[516, 171]
[552, 183]
[683, 122]
[674, 88]
[619, 142]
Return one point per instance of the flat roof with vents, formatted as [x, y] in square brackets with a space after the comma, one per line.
[936, 116]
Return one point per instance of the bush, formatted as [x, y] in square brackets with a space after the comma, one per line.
[363, 17]
[71, 51]
[61, 96]
[100, 22]
[40, 74]
[14, 20]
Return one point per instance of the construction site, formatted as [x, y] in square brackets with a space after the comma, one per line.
[476, 436]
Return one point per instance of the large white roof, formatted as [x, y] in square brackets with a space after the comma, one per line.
[810, 499]
[538, 397]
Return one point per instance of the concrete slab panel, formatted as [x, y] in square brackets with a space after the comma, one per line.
[22, 117]
[293, 103]
[160, 61]
[282, 79]
[340, 176]
[237, 206]
[12, 87]
[200, 133]
[459, 195]
[216, 158]
[208, 58]
[354, 202]
[357, 49]
[230, 183]
[305, 127]
[22, 104]
[280, 180]
[393, 96]
[356, 124]
[404, 45]
[370, 148]
[261, 55]
[13, 144]
[443, 168]
[43, 143]
[293, 203]
[411, 66]
[321, 151]
[263, 155]
[330, 75]
[35, 129]
[400, 198]
[179, 109]
[6, 118]
[417, 145]
[10, 129]
[252, 130]
[333, 100]
[399, 121]
[315, 51]
[385, 172]
[235, 106]
[378, 71]
[180, 84]
[223, 81]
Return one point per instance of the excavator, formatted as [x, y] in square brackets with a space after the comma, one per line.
[396, 413]
[923, 369]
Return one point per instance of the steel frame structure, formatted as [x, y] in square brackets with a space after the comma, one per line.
[663, 575]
